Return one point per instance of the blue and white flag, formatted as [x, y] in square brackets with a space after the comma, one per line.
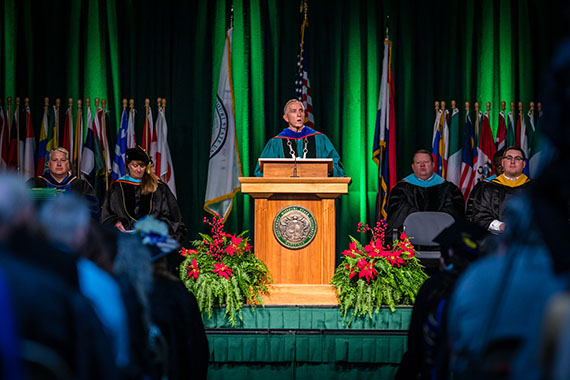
[120, 157]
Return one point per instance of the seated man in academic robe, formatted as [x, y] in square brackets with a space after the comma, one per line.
[300, 141]
[423, 190]
[59, 176]
[489, 201]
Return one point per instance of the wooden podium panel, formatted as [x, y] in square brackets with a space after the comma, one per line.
[304, 167]
[308, 269]
[313, 264]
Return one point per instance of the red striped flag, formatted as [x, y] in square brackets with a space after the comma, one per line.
[29, 162]
[302, 84]
[486, 150]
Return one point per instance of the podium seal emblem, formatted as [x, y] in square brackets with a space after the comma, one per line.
[294, 227]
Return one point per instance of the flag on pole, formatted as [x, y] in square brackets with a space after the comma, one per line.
[302, 84]
[52, 131]
[131, 141]
[6, 137]
[14, 147]
[120, 157]
[440, 142]
[444, 144]
[511, 125]
[455, 152]
[148, 129]
[78, 146]
[88, 151]
[522, 137]
[28, 165]
[67, 142]
[42, 153]
[501, 132]
[164, 165]
[536, 145]
[3, 139]
[22, 137]
[101, 119]
[486, 150]
[436, 137]
[469, 159]
[153, 148]
[53, 141]
[384, 149]
[224, 168]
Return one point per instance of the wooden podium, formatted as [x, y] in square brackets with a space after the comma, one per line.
[285, 208]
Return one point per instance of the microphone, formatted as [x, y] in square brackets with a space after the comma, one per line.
[294, 166]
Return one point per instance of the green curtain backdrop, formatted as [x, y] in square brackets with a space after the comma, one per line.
[472, 50]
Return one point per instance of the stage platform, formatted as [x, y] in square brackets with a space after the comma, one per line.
[306, 342]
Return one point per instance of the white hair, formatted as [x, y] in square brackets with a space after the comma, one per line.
[65, 220]
[15, 200]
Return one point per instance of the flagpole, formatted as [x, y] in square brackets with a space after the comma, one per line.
[9, 118]
[56, 118]
[70, 131]
[17, 117]
[79, 136]
[104, 136]
[305, 10]
[146, 126]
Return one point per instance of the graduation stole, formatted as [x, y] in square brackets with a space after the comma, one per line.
[502, 180]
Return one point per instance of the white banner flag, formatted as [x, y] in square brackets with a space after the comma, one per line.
[224, 168]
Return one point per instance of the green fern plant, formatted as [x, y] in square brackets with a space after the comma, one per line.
[376, 275]
[222, 271]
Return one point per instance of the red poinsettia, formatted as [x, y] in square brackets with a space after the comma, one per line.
[193, 270]
[186, 252]
[223, 271]
[234, 244]
[361, 260]
[352, 250]
[376, 249]
[366, 270]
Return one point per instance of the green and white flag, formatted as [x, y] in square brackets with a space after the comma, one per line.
[224, 169]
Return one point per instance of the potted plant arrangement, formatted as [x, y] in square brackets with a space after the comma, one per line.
[376, 274]
[222, 270]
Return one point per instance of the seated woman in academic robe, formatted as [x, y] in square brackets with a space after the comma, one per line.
[59, 176]
[141, 193]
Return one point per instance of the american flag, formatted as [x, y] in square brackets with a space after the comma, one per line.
[302, 84]
[469, 161]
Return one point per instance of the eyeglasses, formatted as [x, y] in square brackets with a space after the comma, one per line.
[511, 158]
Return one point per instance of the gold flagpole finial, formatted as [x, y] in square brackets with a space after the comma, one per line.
[304, 8]
[232, 16]
[387, 27]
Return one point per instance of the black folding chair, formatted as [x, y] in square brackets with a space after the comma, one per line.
[422, 227]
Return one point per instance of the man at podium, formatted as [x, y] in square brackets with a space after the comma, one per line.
[300, 141]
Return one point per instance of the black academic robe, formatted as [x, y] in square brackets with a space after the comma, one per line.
[406, 198]
[70, 183]
[125, 203]
[489, 202]
[175, 311]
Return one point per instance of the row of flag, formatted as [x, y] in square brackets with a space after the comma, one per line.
[465, 160]
[85, 138]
